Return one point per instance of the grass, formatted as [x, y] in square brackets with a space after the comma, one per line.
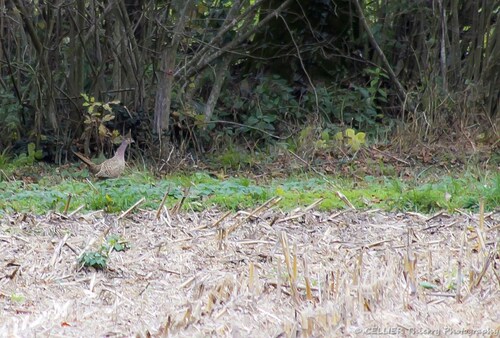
[424, 194]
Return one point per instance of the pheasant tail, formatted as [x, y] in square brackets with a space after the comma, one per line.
[92, 166]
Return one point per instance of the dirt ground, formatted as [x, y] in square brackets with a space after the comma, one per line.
[261, 273]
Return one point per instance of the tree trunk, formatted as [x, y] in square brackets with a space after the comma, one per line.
[220, 75]
[166, 77]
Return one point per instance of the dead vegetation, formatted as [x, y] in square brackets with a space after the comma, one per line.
[262, 273]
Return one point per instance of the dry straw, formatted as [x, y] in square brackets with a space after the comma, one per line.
[260, 273]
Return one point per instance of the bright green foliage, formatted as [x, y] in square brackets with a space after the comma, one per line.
[31, 157]
[27, 159]
[94, 259]
[98, 114]
[450, 193]
[96, 117]
[422, 195]
[352, 139]
[99, 259]
[491, 192]
[114, 243]
[311, 140]
[17, 298]
[425, 199]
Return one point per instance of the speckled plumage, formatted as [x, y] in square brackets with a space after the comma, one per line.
[111, 168]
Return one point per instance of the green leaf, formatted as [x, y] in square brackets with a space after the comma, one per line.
[364, 92]
[107, 118]
[31, 150]
[17, 298]
[361, 137]
[325, 136]
[350, 133]
[339, 136]
[94, 259]
[427, 285]
[103, 130]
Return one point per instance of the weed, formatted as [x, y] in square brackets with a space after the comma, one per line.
[351, 139]
[115, 243]
[96, 118]
[4, 160]
[99, 259]
[425, 194]
[234, 159]
[17, 298]
[426, 200]
[29, 158]
[94, 259]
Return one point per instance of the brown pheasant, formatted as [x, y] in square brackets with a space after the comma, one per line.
[111, 168]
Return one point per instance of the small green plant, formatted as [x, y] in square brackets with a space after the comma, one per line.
[372, 94]
[30, 157]
[96, 260]
[99, 259]
[104, 201]
[4, 159]
[236, 158]
[261, 121]
[114, 243]
[17, 298]
[352, 139]
[98, 114]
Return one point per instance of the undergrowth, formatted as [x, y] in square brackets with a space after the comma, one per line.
[204, 190]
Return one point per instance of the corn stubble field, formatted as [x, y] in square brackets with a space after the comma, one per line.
[261, 273]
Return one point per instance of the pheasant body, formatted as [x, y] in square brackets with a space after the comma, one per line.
[111, 168]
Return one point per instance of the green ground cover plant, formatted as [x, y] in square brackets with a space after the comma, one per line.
[424, 194]
[98, 259]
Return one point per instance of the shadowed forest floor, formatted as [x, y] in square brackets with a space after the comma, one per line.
[261, 273]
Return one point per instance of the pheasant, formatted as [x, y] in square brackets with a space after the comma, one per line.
[111, 168]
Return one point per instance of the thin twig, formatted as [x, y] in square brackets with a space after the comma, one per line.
[313, 169]
[245, 126]
[288, 263]
[311, 83]
[68, 201]
[178, 205]
[216, 223]
[391, 156]
[344, 199]
[399, 88]
[268, 204]
[131, 208]
[314, 204]
[92, 186]
[158, 211]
